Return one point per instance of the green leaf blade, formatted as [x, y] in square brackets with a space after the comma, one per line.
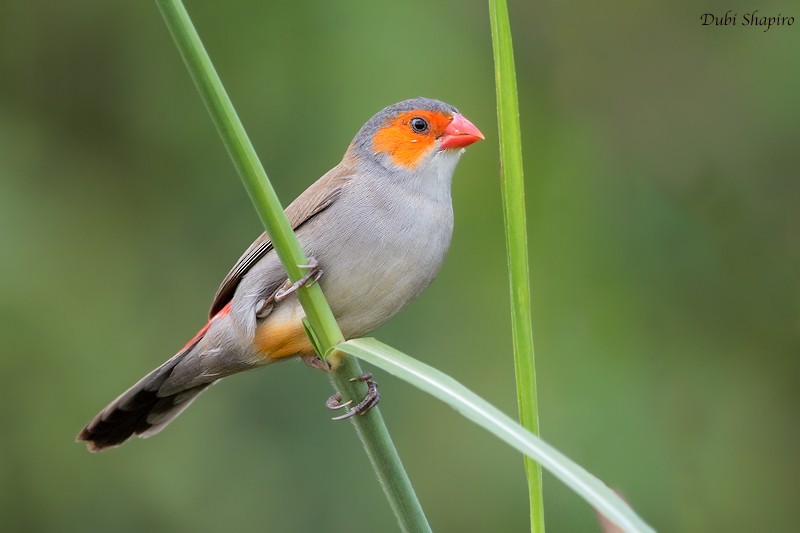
[478, 410]
[513, 195]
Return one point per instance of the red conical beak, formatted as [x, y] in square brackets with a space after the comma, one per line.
[460, 133]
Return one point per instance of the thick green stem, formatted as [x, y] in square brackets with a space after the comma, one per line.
[513, 193]
[326, 333]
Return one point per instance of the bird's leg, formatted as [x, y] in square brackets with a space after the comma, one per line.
[370, 400]
[311, 277]
[315, 361]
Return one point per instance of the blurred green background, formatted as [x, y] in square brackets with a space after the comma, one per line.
[662, 166]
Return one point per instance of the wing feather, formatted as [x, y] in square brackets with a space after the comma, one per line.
[318, 197]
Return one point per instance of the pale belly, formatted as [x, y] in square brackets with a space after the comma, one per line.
[378, 265]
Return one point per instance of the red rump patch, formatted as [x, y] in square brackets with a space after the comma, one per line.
[222, 312]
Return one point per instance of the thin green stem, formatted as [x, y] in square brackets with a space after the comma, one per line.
[325, 331]
[247, 164]
[378, 444]
[513, 193]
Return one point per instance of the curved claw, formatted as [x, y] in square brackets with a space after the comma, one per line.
[313, 275]
[335, 402]
[370, 400]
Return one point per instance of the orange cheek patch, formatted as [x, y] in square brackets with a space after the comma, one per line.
[405, 147]
[278, 340]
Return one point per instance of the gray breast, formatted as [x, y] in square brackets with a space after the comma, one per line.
[380, 250]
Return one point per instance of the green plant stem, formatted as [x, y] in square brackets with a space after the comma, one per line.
[378, 444]
[247, 164]
[326, 333]
[513, 193]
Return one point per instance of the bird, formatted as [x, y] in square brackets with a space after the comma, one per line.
[376, 228]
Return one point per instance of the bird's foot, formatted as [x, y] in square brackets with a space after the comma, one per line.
[370, 400]
[311, 277]
[315, 361]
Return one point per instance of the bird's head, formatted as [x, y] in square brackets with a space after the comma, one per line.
[409, 134]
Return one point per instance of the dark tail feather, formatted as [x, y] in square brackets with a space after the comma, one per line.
[141, 410]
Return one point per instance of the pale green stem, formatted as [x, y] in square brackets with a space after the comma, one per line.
[475, 408]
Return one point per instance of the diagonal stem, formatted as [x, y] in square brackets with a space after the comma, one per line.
[324, 331]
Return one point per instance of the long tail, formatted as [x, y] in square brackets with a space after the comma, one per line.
[153, 402]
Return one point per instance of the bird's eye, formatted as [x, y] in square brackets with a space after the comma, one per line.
[419, 125]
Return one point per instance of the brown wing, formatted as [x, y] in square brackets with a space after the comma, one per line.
[311, 202]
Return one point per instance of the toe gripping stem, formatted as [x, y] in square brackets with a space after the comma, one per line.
[311, 277]
[370, 400]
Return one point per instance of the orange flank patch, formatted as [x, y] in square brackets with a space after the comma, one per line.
[403, 144]
[282, 339]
